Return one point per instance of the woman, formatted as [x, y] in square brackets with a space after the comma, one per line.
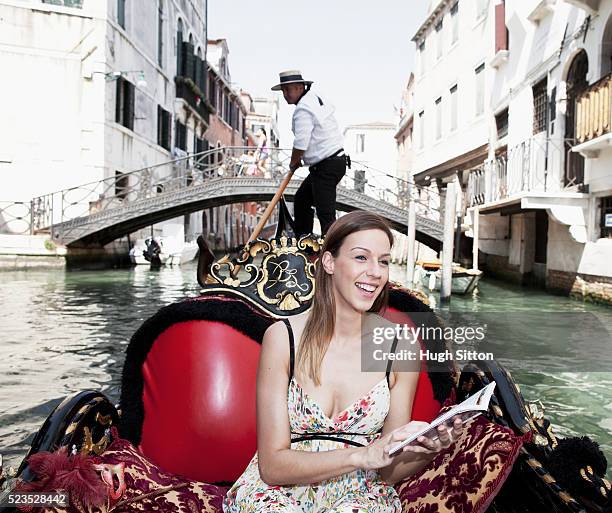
[315, 453]
[261, 155]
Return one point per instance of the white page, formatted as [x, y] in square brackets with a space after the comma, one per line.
[467, 410]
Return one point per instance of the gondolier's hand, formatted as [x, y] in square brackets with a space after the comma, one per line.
[296, 159]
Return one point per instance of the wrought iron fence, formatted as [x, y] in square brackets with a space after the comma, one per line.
[15, 217]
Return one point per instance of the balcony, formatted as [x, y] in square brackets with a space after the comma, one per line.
[594, 118]
[190, 92]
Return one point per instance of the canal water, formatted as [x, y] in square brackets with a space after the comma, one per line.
[64, 331]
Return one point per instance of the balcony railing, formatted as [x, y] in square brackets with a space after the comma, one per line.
[593, 110]
[531, 166]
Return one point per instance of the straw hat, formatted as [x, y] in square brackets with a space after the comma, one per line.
[293, 76]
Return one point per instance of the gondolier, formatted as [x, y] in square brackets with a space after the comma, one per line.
[317, 144]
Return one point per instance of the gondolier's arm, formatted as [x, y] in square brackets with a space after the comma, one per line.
[296, 159]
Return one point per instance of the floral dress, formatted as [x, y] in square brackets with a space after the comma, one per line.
[360, 491]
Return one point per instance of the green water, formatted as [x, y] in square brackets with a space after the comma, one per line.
[67, 331]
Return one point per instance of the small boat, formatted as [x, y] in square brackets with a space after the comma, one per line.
[182, 256]
[184, 428]
[429, 276]
[145, 251]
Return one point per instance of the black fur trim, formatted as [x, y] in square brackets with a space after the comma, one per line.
[571, 455]
[235, 313]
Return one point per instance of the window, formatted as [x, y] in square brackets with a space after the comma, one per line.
[163, 127]
[181, 136]
[422, 58]
[124, 103]
[480, 99]
[540, 97]
[455, 22]
[121, 185]
[606, 217]
[454, 108]
[421, 129]
[501, 122]
[121, 13]
[179, 46]
[160, 33]
[360, 143]
[439, 40]
[212, 91]
[439, 118]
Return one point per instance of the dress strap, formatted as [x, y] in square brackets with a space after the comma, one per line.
[291, 348]
[390, 362]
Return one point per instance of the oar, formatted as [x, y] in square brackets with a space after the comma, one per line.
[266, 215]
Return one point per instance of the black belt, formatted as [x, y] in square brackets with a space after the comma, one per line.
[334, 436]
[333, 156]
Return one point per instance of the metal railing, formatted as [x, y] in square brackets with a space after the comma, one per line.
[15, 217]
[161, 181]
[594, 110]
[533, 165]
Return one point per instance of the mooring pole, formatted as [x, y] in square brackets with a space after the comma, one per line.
[447, 247]
[475, 229]
[411, 233]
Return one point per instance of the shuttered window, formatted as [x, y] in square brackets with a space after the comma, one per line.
[124, 103]
[181, 136]
[539, 106]
[163, 128]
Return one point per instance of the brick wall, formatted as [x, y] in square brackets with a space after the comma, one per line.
[597, 289]
[219, 131]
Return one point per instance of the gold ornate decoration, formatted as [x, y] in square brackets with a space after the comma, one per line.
[90, 446]
[278, 274]
[104, 420]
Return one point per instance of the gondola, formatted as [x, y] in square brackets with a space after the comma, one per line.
[184, 428]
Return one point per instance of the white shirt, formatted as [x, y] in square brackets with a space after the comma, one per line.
[315, 128]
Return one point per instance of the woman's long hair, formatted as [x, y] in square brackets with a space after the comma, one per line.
[319, 327]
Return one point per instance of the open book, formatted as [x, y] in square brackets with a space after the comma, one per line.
[467, 410]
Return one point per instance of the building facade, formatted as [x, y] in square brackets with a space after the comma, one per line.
[107, 95]
[531, 154]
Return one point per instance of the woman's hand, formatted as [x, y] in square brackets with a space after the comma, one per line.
[446, 437]
[376, 455]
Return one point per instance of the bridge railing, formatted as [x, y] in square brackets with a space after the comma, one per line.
[15, 217]
[152, 181]
[387, 187]
[190, 170]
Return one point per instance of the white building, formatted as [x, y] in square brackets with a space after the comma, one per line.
[89, 89]
[503, 105]
[264, 114]
[373, 154]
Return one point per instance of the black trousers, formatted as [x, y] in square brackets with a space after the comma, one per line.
[318, 190]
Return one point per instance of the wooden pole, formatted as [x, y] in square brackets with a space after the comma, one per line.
[411, 241]
[447, 248]
[266, 214]
[270, 208]
[475, 229]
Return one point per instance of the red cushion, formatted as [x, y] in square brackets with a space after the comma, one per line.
[199, 401]
[424, 408]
